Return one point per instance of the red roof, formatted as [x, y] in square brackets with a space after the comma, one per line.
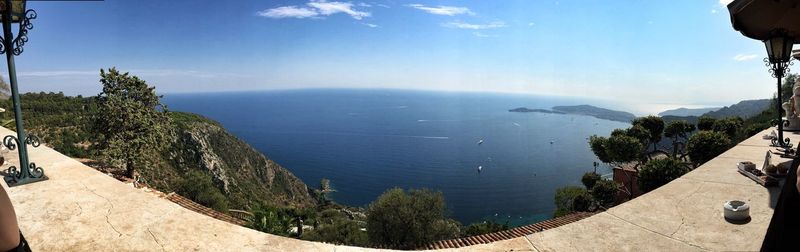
[510, 233]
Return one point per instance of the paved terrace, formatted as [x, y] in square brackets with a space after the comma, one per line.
[82, 209]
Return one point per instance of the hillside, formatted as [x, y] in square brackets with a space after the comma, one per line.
[743, 109]
[601, 113]
[687, 111]
[242, 174]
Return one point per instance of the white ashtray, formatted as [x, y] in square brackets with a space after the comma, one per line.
[736, 210]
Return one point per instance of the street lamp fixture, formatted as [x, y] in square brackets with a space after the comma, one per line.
[779, 56]
[14, 12]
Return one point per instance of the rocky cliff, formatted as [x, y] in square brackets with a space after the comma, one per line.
[244, 175]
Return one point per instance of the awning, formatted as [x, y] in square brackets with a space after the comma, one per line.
[757, 19]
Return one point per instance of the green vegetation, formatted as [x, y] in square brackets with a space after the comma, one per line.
[653, 125]
[706, 123]
[659, 172]
[333, 226]
[604, 192]
[60, 121]
[589, 179]
[198, 187]
[272, 220]
[406, 220]
[131, 122]
[730, 126]
[484, 228]
[705, 145]
[570, 199]
[678, 132]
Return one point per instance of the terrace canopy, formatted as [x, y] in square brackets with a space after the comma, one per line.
[758, 19]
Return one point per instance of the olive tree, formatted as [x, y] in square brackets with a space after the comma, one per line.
[131, 121]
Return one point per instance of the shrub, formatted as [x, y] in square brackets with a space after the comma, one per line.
[335, 227]
[604, 192]
[659, 172]
[705, 123]
[706, 145]
[198, 187]
[729, 126]
[484, 228]
[565, 199]
[272, 220]
[589, 179]
[403, 220]
[755, 129]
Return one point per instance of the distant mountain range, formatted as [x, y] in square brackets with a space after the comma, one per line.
[687, 111]
[588, 110]
[743, 109]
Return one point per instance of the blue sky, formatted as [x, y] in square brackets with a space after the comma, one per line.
[659, 54]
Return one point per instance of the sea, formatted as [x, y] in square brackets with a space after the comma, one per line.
[490, 164]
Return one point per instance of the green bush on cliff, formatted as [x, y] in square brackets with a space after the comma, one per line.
[198, 187]
[567, 197]
[484, 228]
[406, 220]
[333, 226]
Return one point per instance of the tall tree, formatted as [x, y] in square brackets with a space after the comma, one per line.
[653, 124]
[131, 121]
[678, 131]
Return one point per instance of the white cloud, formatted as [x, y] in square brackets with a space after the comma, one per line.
[362, 4]
[725, 2]
[288, 12]
[442, 10]
[531, 24]
[330, 8]
[462, 25]
[382, 5]
[318, 8]
[483, 35]
[370, 25]
[744, 57]
[713, 11]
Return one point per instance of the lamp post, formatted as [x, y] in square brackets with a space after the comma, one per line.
[779, 53]
[14, 12]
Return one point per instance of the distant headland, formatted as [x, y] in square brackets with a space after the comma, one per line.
[601, 113]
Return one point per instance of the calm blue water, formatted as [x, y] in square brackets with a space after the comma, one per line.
[367, 141]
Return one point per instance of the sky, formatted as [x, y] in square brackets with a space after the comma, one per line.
[657, 54]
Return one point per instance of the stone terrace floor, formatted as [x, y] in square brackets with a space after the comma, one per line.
[81, 209]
